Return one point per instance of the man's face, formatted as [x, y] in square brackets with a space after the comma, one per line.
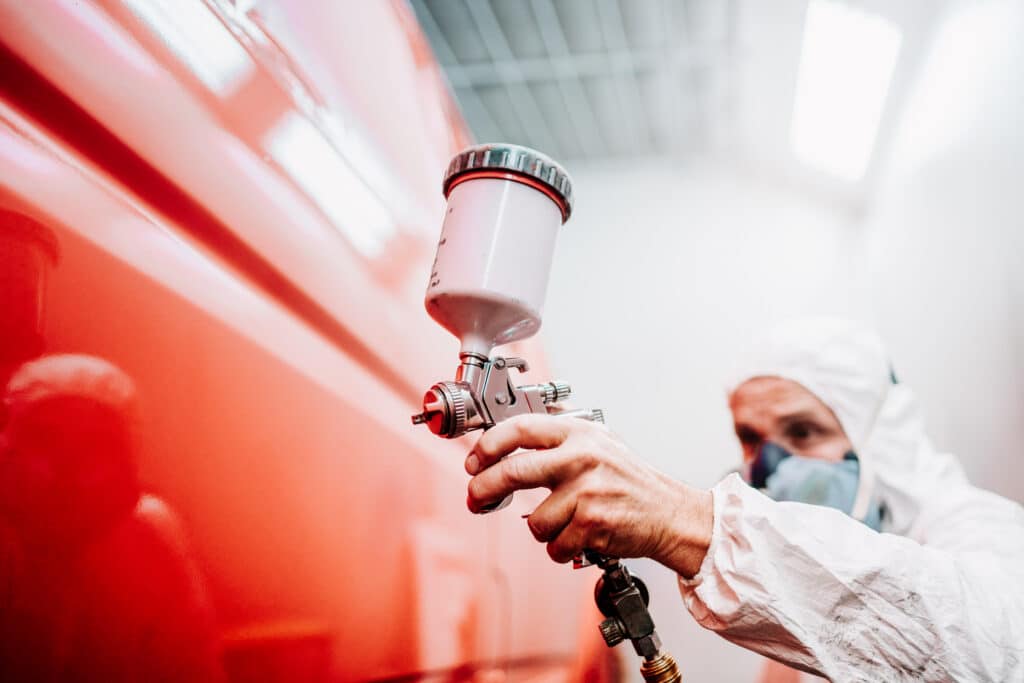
[783, 412]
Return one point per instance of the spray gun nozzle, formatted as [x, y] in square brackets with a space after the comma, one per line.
[431, 407]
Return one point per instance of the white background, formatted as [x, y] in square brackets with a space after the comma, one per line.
[666, 270]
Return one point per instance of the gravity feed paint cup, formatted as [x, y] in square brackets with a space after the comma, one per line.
[505, 205]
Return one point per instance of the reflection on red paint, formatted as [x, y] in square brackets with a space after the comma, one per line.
[209, 356]
[102, 584]
[28, 250]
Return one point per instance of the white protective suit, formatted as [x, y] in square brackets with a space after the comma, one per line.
[938, 596]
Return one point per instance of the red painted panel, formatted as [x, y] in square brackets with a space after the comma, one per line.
[274, 343]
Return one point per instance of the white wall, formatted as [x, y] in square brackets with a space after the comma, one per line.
[944, 243]
[664, 272]
[659, 279]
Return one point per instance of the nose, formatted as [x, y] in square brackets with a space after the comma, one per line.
[751, 449]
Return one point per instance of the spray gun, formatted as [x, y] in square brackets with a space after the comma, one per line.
[487, 287]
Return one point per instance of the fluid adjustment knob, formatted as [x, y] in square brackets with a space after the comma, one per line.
[612, 632]
[554, 392]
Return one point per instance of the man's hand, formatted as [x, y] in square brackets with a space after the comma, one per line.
[602, 497]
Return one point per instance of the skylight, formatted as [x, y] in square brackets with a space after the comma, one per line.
[846, 67]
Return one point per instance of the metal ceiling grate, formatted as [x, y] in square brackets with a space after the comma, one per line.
[587, 79]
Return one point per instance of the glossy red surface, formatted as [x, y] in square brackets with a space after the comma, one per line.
[237, 209]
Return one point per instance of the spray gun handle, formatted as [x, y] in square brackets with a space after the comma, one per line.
[494, 507]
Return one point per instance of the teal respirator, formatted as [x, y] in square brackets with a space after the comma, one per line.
[785, 476]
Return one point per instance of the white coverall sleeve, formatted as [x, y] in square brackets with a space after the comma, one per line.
[819, 591]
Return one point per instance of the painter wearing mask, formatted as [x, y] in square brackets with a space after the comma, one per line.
[849, 548]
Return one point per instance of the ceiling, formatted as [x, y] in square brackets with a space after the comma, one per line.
[587, 79]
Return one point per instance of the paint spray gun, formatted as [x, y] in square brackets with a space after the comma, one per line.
[487, 287]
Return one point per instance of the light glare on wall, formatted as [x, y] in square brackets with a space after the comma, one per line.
[195, 34]
[846, 66]
[330, 181]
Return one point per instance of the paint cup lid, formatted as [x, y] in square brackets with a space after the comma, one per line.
[514, 162]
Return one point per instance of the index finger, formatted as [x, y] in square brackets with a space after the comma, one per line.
[532, 430]
[524, 471]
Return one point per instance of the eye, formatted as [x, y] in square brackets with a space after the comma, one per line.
[801, 431]
[747, 436]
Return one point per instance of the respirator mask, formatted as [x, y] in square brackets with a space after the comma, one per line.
[785, 476]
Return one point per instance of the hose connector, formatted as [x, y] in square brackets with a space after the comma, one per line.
[661, 669]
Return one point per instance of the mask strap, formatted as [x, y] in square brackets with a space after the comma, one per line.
[865, 491]
[866, 480]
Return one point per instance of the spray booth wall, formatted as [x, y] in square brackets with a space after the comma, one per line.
[665, 272]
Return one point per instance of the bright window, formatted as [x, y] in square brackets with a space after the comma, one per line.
[846, 67]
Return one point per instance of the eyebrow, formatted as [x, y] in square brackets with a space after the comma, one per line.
[801, 416]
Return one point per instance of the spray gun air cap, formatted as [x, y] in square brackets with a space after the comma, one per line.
[505, 206]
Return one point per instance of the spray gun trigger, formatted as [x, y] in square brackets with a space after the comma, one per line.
[499, 505]
[581, 561]
[519, 364]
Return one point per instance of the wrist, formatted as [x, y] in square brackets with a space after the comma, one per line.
[687, 534]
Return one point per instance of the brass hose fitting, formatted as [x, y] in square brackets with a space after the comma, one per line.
[661, 669]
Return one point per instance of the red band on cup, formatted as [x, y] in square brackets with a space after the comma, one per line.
[516, 178]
